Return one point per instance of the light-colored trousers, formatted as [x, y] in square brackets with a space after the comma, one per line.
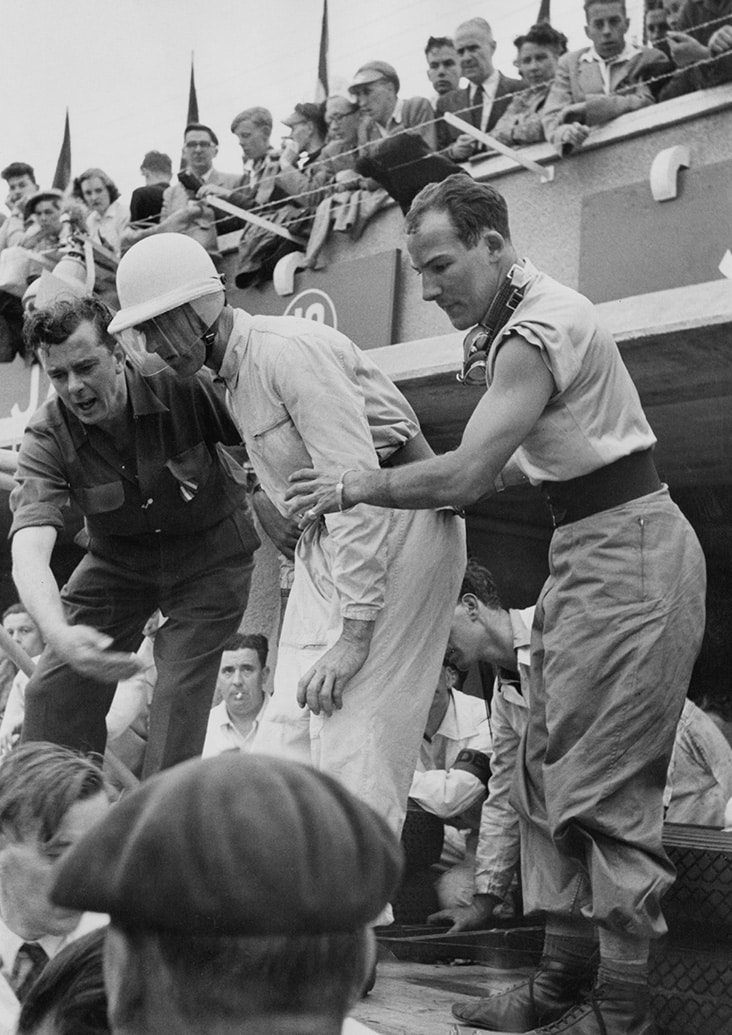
[371, 745]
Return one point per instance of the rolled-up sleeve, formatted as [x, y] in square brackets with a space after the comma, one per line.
[41, 494]
[497, 852]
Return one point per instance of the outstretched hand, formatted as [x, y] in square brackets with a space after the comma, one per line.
[87, 651]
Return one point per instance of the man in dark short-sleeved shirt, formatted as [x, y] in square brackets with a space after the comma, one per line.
[140, 452]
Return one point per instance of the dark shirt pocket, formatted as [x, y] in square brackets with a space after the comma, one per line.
[101, 499]
[191, 468]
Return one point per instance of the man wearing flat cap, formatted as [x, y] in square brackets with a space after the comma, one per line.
[376, 90]
[43, 217]
[240, 890]
[304, 171]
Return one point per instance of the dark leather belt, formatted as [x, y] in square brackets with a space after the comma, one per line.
[623, 480]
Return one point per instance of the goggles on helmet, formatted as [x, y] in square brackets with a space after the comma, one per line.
[175, 333]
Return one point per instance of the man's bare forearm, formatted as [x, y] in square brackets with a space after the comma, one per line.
[357, 630]
[437, 482]
[31, 550]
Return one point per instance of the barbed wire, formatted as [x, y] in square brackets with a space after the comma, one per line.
[363, 149]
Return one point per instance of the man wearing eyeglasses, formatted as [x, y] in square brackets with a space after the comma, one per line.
[184, 210]
[618, 623]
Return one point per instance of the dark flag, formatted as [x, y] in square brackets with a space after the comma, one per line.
[544, 15]
[63, 166]
[321, 90]
[192, 99]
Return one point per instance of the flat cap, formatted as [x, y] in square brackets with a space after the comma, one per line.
[371, 72]
[52, 194]
[305, 112]
[239, 845]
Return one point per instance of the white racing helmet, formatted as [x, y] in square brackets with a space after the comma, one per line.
[161, 273]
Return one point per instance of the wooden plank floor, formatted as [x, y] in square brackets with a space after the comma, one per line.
[416, 998]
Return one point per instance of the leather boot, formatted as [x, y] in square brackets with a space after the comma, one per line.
[611, 1009]
[544, 997]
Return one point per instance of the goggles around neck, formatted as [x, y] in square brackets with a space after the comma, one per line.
[478, 340]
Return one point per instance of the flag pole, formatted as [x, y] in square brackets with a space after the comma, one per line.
[321, 88]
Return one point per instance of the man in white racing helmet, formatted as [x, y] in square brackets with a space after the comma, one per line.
[365, 629]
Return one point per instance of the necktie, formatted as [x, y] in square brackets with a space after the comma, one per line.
[476, 109]
[30, 960]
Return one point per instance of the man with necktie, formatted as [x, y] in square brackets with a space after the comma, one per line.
[486, 97]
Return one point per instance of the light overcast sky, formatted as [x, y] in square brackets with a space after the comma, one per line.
[122, 66]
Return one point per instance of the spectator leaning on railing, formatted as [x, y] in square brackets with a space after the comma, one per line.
[383, 112]
[598, 83]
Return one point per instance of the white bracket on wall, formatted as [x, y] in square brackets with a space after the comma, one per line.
[664, 177]
[283, 278]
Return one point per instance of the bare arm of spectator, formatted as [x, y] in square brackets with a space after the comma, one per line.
[83, 648]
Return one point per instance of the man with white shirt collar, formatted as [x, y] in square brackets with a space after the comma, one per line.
[383, 112]
[49, 798]
[243, 673]
[200, 147]
[487, 95]
[598, 83]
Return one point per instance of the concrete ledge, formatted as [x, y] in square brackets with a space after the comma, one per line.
[635, 123]
[693, 311]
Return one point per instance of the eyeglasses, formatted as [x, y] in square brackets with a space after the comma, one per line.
[193, 144]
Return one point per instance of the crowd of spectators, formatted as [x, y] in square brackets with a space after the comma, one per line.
[323, 175]
[165, 935]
